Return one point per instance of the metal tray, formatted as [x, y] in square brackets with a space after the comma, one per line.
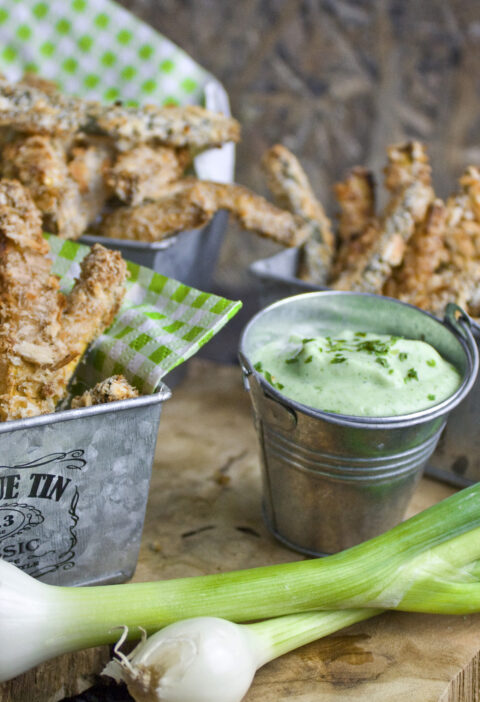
[189, 256]
[456, 460]
[74, 488]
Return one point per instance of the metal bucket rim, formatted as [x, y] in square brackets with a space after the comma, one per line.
[260, 270]
[470, 349]
[91, 239]
[132, 244]
[161, 395]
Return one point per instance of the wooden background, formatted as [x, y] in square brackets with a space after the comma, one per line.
[335, 81]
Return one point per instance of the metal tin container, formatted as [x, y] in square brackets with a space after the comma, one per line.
[331, 481]
[189, 256]
[456, 460]
[74, 488]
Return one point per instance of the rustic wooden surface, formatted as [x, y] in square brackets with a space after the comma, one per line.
[203, 516]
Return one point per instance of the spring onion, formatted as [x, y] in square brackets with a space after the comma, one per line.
[208, 659]
[429, 563]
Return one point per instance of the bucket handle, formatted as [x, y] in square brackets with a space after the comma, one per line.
[460, 323]
[247, 370]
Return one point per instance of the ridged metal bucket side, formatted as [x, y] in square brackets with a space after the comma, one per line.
[318, 502]
[334, 467]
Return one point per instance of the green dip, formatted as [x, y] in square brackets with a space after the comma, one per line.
[358, 373]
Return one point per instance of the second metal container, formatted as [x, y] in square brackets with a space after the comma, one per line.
[189, 256]
[74, 487]
[331, 481]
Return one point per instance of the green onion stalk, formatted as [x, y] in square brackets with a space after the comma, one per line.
[425, 564]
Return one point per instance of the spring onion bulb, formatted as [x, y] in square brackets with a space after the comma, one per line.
[429, 563]
[208, 659]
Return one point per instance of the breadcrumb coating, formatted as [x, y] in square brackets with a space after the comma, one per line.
[112, 389]
[292, 191]
[190, 203]
[43, 334]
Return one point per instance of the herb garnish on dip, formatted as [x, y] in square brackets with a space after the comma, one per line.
[358, 373]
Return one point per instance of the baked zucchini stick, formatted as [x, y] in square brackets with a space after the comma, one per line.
[29, 109]
[182, 205]
[89, 159]
[43, 334]
[112, 389]
[416, 280]
[357, 223]
[291, 189]
[30, 307]
[408, 179]
[69, 195]
[141, 173]
[90, 308]
[40, 164]
[356, 198]
[459, 277]
[407, 163]
[388, 247]
[190, 203]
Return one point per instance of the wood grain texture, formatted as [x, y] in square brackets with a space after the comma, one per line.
[203, 516]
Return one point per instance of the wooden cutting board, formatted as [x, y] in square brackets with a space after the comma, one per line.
[203, 516]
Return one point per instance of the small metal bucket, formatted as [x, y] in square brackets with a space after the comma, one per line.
[456, 460]
[331, 481]
[74, 488]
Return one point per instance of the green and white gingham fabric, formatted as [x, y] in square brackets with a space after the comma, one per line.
[161, 323]
[98, 50]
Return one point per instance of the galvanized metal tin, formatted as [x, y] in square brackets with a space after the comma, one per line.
[74, 488]
[189, 256]
[456, 460]
[331, 481]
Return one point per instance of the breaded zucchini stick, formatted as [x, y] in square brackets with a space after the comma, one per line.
[408, 179]
[29, 109]
[407, 163]
[291, 189]
[89, 159]
[458, 280]
[71, 194]
[90, 308]
[43, 334]
[30, 306]
[357, 223]
[141, 173]
[112, 389]
[190, 203]
[416, 280]
[190, 126]
[389, 244]
[39, 163]
[356, 198]
[183, 205]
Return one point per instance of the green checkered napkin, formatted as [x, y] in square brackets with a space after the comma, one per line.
[161, 323]
[98, 50]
